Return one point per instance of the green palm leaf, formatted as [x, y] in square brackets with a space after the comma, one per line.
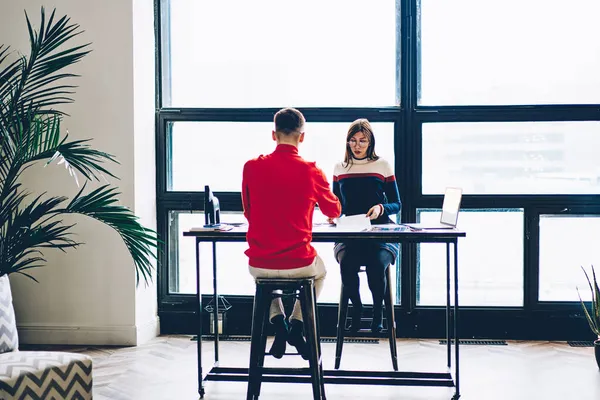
[8, 74]
[37, 72]
[28, 230]
[101, 204]
[44, 142]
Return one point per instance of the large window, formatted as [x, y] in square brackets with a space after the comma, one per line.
[500, 98]
[477, 52]
[268, 53]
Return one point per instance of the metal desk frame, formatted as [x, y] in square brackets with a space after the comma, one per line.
[440, 379]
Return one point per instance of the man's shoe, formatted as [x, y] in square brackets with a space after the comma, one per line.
[281, 335]
[296, 338]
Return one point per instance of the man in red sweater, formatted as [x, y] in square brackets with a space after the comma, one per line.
[279, 194]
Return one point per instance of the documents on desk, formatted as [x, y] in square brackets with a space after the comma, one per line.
[212, 228]
[353, 223]
[390, 228]
[361, 223]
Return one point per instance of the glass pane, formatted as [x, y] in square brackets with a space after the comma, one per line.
[214, 153]
[232, 263]
[490, 260]
[266, 53]
[567, 243]
[512, 157]
[475, 52]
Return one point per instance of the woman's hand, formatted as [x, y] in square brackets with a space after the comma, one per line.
[375, 211]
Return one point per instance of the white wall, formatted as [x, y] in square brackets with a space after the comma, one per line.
[88, 295]
[144, 150]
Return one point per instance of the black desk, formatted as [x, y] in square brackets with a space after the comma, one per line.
[326, 234]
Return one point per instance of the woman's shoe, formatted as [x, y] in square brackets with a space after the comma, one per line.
[356, 317]
[377, 324]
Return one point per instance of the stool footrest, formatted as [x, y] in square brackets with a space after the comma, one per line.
[285, 354]
[265, 371]
[283, 282]
[365, 332]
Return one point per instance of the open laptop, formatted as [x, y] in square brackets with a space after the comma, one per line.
[450, 209]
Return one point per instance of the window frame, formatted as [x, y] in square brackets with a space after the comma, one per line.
[535, 320]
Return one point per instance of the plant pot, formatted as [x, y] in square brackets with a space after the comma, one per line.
[597, 352]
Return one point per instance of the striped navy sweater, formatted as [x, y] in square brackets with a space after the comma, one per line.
[363, 184]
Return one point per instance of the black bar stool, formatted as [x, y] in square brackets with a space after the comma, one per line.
[389, 315]
[303, 289]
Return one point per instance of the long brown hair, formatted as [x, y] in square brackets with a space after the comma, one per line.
[360, 125]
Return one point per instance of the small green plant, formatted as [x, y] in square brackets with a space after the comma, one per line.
[593, 317]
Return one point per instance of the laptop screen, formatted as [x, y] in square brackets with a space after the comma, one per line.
[451, 206]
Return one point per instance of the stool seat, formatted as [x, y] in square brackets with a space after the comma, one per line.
[389, 314]
[304, 290]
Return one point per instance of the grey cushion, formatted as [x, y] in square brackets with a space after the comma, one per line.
[9, 338]
[43, 375]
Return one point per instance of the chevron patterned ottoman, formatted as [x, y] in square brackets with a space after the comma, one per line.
[42, 375]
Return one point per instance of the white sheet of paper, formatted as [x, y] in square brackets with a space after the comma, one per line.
[353, 223]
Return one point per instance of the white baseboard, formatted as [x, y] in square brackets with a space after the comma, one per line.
[119, 335]
[148, 331]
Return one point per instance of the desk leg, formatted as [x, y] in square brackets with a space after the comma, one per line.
[216, 303]
[199, 302]
[456, 361]
[448, 322]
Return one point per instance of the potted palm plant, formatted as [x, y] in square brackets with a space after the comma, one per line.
[32, 89]
[593, 315]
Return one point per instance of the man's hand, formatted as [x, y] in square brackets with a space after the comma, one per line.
[375, 211]
[331, 220]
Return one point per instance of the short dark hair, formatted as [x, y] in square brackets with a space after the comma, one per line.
[289, 121]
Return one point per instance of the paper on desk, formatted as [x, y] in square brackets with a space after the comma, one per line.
[353, 223]
[212, 228]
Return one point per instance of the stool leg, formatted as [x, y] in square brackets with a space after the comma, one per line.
[321, 373]
[341, 327]
[389, 311]
[263, 339]
[254, 369]
[307, 303]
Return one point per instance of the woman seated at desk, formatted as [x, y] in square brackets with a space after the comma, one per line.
[365, 184]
